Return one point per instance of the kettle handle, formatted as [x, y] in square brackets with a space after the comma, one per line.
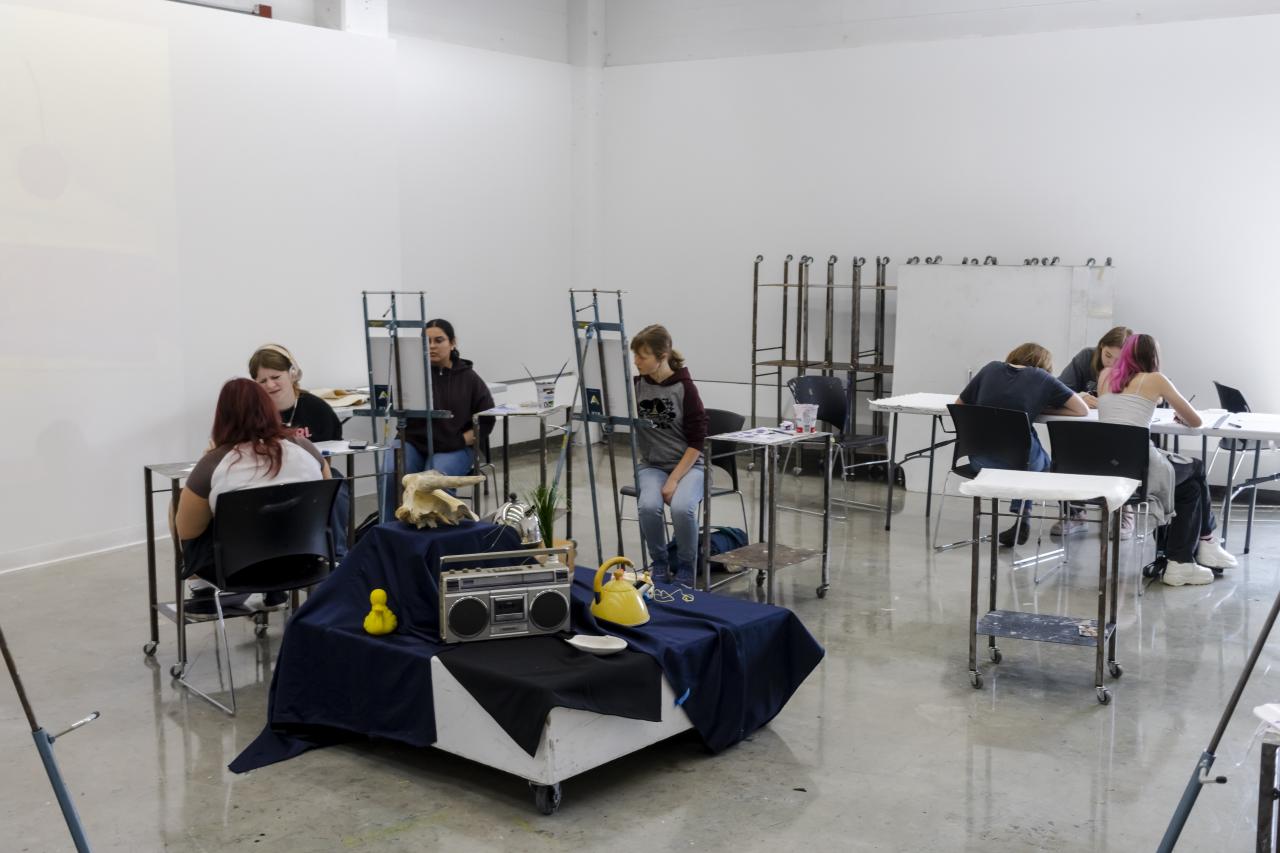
[604, 567]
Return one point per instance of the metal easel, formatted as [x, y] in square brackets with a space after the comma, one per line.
[388, 402]
[44, 745]
[595, 402]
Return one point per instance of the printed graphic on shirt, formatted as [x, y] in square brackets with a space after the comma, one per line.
[660, 411]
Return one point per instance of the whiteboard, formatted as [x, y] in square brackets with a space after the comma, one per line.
[953, 319]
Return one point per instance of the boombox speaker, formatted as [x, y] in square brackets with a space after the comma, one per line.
[504, 601]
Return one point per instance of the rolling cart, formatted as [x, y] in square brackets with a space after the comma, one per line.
[1109, 495]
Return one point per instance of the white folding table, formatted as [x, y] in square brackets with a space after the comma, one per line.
[1109, 494]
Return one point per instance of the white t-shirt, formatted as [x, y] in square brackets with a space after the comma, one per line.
[234, 467]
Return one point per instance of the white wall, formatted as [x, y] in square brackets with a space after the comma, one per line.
[191, 183]
[1154, 145]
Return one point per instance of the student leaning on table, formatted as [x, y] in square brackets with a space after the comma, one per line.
[1024, 382]
[1081, 373]
[249, 447]
[1128, 393]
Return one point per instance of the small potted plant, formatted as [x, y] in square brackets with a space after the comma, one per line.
[543, 501]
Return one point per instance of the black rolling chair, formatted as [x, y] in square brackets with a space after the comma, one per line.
[723, 456]
[1107, 450]
[268, 539]
[1000, 437]
[1233, 401]
[830, 394]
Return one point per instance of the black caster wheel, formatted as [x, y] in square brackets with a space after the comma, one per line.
[996, 657]
[546, 798]
[176, 670]
[822, 592]
[1115, 669]
[149, 649]
[259, 631]
[759, 578]
[975, 678]
[1104, 696]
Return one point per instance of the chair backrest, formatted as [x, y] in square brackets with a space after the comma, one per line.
[1107, 450]
[828, 392]
[1230, 398]
[1001, 438]
[723, 453]
[274, 537]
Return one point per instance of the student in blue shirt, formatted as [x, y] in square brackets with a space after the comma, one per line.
[1024, 381]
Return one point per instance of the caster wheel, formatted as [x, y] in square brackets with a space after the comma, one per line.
[149, 649]
[260, 631]
[822, 592]
[176, 670]
[996, 657]
[546, 798]
[1104, 696]
[1116, 671]
[975, 678]
[795, 471]
[759, 578]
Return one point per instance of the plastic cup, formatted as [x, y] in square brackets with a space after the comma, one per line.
[806, 417]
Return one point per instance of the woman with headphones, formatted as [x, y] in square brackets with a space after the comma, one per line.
[275, 369]
[304, 414]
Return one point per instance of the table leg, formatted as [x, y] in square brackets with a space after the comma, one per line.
[542, 450]
[1104, 538]
[1115, 596]
[993, 566]
[1267, 798]
[350, 486]
[179, 593]
[893, 469]
[704, 543]
[1253, 496]
[771, 459]
[975, 554]
[1226, 499]
[828, 458]
[152, 602]
[928, 486]
[568, 473]
[506, 459]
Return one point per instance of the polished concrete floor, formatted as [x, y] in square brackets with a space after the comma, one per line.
[885, 747]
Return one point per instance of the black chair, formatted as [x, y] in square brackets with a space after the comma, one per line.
[1106, 450]
[723, 456]
[1000, 437]
[831, 395]
[268, 539]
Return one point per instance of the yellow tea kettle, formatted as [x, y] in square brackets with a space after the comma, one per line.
[618, 601]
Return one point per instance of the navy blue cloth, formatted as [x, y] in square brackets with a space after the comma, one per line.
[733, 663]
[722, 539]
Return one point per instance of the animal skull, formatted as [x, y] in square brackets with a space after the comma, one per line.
[427, 504]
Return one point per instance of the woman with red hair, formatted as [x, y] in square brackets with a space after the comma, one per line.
[250, 447]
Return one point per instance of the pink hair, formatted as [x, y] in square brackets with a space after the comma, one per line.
[1138, 355]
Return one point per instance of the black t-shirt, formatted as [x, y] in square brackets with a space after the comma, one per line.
[1024, 389]
[313, 418]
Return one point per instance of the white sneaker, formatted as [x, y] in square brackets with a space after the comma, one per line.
[1213, 555]
[1177, 574]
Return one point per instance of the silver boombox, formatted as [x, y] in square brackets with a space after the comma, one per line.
[505, 601]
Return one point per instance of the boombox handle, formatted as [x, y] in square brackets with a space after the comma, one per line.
[525, 553]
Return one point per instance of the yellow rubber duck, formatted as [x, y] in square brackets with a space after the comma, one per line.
[380, 619]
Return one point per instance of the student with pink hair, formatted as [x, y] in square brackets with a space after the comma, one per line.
[1128, 392]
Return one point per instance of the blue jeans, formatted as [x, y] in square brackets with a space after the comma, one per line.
[454, 462]
[1037, 460]
[684, 518]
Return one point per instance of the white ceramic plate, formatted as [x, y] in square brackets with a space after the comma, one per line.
[597, 644]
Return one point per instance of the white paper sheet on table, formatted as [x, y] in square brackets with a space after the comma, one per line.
[921, 403]
[766, 435]
[1045, 486]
